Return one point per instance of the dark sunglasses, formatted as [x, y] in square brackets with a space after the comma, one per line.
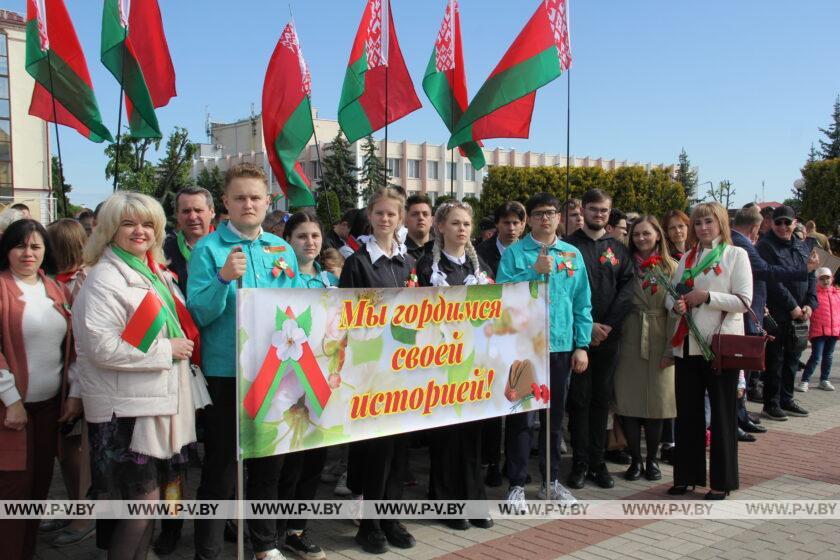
[783, 222]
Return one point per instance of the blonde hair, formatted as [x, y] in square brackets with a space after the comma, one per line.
[387, 194]
[704, 210]
[661, 246]
[440, 218]
[114, 210]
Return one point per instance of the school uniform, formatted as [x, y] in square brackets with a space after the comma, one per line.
[376, 468]
[455, 450]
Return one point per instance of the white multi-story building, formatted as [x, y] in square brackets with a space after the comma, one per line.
[25, 163]
[418, 168]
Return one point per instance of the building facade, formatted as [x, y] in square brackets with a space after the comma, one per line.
[425, 168]
[25, 163]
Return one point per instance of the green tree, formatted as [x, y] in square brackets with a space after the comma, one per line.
[722, 194]
[831, 145]
[374, 175]
[61, 210]
[328, 215]
[688, 178]
[339, 173]
[821, 193]
[214, 181]
[478, 213]
[174, 169]
[813, 154]
[136, 172]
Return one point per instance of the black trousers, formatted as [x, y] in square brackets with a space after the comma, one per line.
[218, 474]
[455, 472]
[299, 479]
[518, 427]
[590, 394]
[377, 468]
[694, 378]
[780, 375]
[491, 440]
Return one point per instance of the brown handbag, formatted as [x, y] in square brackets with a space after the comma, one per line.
[738, 351]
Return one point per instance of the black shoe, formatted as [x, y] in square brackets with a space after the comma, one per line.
[745, 437]
[752, 428]
[167, 542]
[754, 417]
[793, 409]
[494, 476]
[457, 524]
[618, 456]
[680, 489]
[485, 523]
[755, 394]
[713, 495]
[398, 535]
[230, 531]
[652, 471]
[774, 413]
[302, 547]
[666, 454]
[577, 477]
[634, 471]
[601, 476]
[372, 541]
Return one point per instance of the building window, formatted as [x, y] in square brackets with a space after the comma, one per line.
[432, 196]
[5, 123]
[432, 170]
[451, 171]
[414, 169]
[469, 172]
[394, 168]
[316, 171]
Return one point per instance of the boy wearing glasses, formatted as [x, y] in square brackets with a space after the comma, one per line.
[542, 255]
[610, 271]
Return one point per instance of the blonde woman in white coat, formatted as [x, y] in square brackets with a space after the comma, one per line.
[716, 280]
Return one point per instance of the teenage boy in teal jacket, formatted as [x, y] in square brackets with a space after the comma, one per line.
[239, 249]
[539, 255]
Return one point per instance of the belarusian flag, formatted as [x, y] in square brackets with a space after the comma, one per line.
[376, 55]
[56, 61]
[134, 49]
[287, 116]
[445, 81]
[503, 106]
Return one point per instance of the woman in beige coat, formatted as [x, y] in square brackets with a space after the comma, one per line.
[644, 379]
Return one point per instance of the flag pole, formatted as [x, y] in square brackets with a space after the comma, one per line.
[452, 150]
[240, 465]
[568, 149]
[57, 138]
[387, 171]
[120, 113]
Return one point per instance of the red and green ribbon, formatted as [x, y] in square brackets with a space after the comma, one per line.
[710, 262]
[185, 250]
[259, 396]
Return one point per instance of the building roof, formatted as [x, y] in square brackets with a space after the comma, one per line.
[769, 204]
[8, 17]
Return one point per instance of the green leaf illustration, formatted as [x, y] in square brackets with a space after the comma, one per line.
[365, 351]
[483, 292]
[404, 335]
[257, 439]
[279, 318]
[304, 321]
[325, 436]
[535, 289]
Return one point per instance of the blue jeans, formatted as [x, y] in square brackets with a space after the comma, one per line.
[821, 346]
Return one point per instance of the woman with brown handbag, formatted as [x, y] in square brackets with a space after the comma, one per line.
[716, 282]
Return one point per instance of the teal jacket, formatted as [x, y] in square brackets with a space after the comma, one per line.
[570, 302]
[213, 303]
[321, 279]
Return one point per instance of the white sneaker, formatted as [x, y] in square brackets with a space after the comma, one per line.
[559, 493]
[341, 488]
[826, 385]
[357, 508]
[272, 554]
[516, 498]
[802, 387]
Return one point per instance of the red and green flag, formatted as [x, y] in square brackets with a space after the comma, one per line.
[287, 116]
[54, 58]
[146, 322]
[366, 104]
[445, 81]
[135, 51]
[503, 106]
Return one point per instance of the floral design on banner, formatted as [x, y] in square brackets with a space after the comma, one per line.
[282, 267]
[608, 257]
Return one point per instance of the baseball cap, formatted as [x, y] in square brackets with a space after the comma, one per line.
[784, 212]
[824, 271]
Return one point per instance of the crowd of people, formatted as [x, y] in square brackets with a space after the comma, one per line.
[118, 351]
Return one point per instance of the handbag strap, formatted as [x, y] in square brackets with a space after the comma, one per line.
[758, 323]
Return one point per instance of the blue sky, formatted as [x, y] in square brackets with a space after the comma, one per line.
[742, 85]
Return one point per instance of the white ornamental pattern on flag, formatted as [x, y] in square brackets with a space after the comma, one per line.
[558, 17]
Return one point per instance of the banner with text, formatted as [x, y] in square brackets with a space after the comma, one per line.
[330, 366]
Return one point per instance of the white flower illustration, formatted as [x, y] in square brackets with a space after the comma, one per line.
[289, 341]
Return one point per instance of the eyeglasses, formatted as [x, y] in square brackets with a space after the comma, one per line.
[542, 214]
[783, 222]
[597, 210]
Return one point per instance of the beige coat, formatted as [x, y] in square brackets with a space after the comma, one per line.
[642, 389]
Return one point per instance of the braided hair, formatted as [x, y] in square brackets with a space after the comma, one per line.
[440, 218]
